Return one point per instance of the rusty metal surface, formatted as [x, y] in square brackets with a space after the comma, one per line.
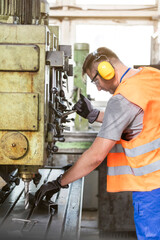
[23, 112]
[20, 111]
[14, 145]
[16, 34]
[39, 222]
[16, 57]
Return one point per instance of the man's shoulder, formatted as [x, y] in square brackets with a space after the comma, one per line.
[120, 98]
[121, 104]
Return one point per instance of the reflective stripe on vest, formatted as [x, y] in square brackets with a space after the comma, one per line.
[134, 152]
[148, 147]
[152, 167]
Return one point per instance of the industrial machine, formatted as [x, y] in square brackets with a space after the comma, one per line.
[34, 71]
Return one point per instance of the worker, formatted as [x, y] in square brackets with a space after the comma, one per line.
[129, 136]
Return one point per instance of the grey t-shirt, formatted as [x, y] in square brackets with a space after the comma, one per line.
[122, 119]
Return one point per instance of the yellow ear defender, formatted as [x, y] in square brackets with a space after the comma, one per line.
[105, 70]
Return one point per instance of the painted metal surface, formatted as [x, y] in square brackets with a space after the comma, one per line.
[16, 57]
[20, 111]
[24, 95]
[14, 145]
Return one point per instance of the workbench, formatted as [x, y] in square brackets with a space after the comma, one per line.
[42, 222]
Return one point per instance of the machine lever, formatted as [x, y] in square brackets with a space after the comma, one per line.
[68, 113]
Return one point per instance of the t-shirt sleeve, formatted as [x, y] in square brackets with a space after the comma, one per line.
[119, 113]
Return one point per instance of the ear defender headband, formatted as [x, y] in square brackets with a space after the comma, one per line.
[105, 69]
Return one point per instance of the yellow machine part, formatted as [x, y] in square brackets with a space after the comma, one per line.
[24, 80]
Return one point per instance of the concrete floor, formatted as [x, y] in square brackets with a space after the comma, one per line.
[90, 231]
[89, 226]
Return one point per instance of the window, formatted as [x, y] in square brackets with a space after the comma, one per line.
[130, 43]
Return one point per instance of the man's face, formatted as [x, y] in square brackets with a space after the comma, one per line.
[101, 84]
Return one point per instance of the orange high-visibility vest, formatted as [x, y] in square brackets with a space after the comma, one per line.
[135, 165]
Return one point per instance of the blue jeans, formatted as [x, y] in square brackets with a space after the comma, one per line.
[147, 214]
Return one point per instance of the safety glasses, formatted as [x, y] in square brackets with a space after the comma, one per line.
[94, 80]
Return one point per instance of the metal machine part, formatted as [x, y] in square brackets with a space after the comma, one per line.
[24, 11]
[57, 220]
[26, 193]
[34, 72]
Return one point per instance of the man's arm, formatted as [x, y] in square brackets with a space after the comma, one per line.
[100, 117]
[88, 161]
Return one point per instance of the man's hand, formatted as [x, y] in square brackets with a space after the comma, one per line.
[48, 189]
[85, 109]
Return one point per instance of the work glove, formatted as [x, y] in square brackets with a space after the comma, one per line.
[48, 189]
[85, 109]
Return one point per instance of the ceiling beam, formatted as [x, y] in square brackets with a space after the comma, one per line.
[102, 7]
[76, 14]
